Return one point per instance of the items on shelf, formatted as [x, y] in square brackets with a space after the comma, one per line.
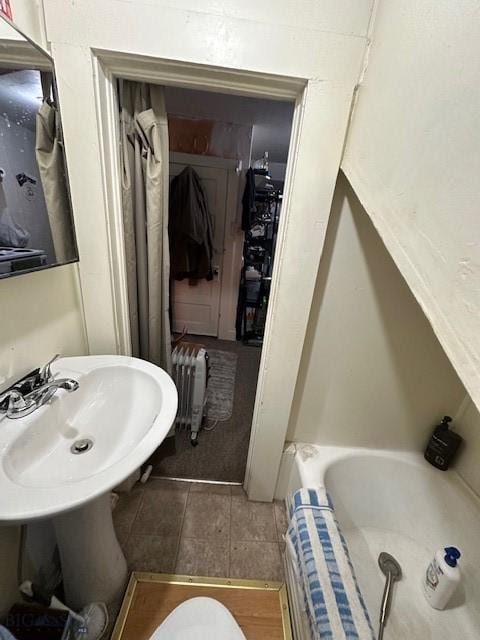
[261, 204]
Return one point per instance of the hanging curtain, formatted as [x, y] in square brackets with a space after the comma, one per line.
[51, 165]
[145, 184]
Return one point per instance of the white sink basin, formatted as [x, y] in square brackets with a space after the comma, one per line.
[123, 406]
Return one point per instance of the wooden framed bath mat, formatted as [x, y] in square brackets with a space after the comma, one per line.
[260, 608]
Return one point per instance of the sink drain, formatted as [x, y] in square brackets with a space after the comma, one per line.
[81, 446]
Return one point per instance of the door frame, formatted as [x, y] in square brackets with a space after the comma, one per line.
[232, 239]
[319, 126]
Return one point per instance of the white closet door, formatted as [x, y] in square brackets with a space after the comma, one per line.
[196, 307]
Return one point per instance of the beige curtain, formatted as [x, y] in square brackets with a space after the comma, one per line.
[51, 165]
[144, 131]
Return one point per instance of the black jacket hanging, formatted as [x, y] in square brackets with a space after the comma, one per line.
[189, 228]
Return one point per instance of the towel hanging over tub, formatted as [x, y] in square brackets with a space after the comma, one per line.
[333, 602]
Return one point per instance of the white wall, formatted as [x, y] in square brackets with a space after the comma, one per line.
[467, 424]
[40, 316]
[373, 373]
[8, 33]
[321, 41]
[413, 158]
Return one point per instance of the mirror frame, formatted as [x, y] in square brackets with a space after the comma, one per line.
[20, 57]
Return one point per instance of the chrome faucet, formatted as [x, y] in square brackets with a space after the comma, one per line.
[20, 405]
[42, 394]
[46, 374]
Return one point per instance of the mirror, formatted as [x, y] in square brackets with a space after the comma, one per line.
[36, 222]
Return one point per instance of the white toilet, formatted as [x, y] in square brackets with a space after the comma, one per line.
[199, 619]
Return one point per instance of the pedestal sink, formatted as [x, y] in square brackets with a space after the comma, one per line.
[62, 460]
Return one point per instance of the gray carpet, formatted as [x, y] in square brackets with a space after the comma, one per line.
[221, 384]
[221, 453]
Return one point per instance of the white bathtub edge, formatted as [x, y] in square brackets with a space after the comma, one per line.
[304, 465]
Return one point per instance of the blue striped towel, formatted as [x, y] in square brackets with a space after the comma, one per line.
[333, 602]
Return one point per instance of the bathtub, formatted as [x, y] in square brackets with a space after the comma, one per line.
[396, 502]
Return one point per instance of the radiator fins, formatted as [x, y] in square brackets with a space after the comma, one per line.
[189, 373]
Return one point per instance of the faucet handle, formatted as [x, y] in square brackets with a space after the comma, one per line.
[46, 371]
[18, 406]
[15, 399]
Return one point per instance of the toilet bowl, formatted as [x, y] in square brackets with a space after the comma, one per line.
[199, 619]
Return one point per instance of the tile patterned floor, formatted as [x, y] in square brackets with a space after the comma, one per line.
[200, 529]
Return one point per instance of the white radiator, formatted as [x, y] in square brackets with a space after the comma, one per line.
[190, 374]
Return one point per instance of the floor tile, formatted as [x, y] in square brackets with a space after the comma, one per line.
[207, 516]
[126, 509]
[256, 561]
[151, 553]
[252, 520]
[281, 519]
[203, 558]
[206, 487]
[161, 509]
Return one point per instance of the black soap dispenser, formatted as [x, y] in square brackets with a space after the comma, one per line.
[443, 445]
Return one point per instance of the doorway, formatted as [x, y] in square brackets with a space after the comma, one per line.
[320, 115]
[237, 147]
